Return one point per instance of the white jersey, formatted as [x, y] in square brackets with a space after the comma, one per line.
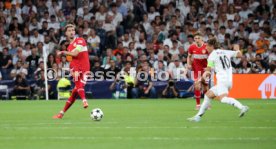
[221, 60]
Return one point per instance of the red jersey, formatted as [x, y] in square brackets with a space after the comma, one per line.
[81, 61]
[199, 57]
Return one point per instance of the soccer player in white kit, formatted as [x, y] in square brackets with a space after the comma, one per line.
[220, 61]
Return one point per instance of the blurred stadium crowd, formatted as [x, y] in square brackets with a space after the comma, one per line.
[117, 31]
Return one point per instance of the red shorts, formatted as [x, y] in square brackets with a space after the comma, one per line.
[79, 78]
[197, 74]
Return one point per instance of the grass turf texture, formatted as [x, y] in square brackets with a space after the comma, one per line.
[136, 124]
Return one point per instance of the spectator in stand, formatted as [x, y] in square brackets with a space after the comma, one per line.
[25, 36]
[101, 14]
[261, 44]
[94, 42]
[146, 28]
[19, 70]
[144, 84]
[18, 55]
[36, 37]
[126, 40]
[174, 49]
[39, 88]
[6, 64]
[170, 90]
[255, 34]
[118, 89]
[98, 71]
[21, 87]
[161, 72]
[50, 60]
[176, 68]
[258, 68]
[109, 54]
[64, 64]
[37, 72]
[45, 29]
[32, 62]
[250, 54]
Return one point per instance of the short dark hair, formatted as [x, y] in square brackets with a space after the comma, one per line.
[222, 27]
[190, 36]
[113, 5]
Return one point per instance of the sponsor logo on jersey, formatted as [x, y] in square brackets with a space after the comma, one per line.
[200, 56]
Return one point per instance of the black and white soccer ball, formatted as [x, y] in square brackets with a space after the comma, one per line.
[96, 114]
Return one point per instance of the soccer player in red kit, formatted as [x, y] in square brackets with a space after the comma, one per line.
[197, 61]
[79, 66]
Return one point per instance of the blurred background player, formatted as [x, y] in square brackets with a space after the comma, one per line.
[220, 61]
[197, 62]
[79, 66]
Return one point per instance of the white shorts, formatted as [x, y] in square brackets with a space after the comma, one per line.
[222, 88]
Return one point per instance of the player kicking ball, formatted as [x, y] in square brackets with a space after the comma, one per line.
[220, 61]
[78, 66]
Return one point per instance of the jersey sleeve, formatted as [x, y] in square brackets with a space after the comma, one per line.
[190, 49]
[211, 60]
[80, 41]
[80, 45]
[231, 53]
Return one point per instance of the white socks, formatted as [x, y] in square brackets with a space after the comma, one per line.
[204, 106]
[232, 101]
[61, 112]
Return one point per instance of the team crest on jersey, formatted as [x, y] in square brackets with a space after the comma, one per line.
[203, 51]
[74, 44]
[80, 41]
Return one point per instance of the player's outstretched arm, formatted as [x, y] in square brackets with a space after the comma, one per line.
[207, 73]
[236, 47]
[189, 61]
[74, 53]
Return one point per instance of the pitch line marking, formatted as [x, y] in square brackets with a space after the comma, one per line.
[145, 138]
[133, 127]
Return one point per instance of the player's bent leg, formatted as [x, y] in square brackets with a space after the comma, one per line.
[231, 101]
[206, 102]
[207, 99]
[80, 84]
[205, 88]
[71, 100]
[81, 93]
[68, 104]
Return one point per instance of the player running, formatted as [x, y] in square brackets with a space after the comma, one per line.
[78, 66]
[220, 61]
[197, 61]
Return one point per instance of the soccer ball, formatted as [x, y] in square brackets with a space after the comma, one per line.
[96, 114]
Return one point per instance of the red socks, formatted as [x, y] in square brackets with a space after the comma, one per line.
[70, 100]
[197, 96]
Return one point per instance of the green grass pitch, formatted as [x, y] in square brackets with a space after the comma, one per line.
[136, 124]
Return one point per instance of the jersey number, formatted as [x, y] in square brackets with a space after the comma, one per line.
[225, 62]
